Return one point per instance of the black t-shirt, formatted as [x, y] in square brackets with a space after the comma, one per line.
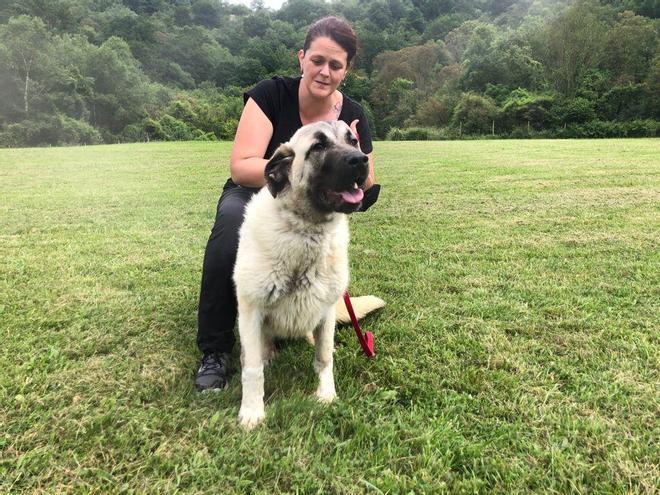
[278, 99]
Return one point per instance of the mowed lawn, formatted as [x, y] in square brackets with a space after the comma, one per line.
[518, 351]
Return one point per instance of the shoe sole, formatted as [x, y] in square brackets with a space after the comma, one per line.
[213, 390]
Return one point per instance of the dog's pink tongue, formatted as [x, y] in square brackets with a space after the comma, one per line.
[353, 196]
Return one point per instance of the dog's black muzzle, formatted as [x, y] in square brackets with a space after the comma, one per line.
[350, 168]
[340, 181]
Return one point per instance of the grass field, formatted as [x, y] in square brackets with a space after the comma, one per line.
[518, 352]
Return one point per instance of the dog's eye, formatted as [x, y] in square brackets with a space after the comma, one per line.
[318, 146]
[353, 141]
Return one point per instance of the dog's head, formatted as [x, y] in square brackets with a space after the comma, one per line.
[322, 166]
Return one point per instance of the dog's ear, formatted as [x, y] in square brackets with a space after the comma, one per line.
[277, 169]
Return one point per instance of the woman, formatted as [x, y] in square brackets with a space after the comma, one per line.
[274, 110]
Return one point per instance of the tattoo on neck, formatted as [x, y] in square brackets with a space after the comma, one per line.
[337, 108]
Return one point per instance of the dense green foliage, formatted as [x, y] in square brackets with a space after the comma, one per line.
[90, 71]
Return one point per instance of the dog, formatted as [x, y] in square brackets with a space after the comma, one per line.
[292, 260]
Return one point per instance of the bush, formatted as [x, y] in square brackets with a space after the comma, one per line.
[135, 133]
[417, 134]
[577, 110]
[603, 129]
[208, 110]
[474, 114]
[175, 129]
[395, 134]
[594, 130]
[74, 131]
[227, 129]
[522, 107]
[420, 134]
[49, 130]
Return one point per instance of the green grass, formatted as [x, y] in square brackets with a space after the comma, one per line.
[518, 351]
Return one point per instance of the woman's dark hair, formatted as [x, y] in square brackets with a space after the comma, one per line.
[338, 30]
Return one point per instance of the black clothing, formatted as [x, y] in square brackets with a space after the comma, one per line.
[217, 299]
[278, 99]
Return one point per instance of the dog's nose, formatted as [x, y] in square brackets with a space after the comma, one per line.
[355, 160]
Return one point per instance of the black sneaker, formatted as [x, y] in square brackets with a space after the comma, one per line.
[213, 373]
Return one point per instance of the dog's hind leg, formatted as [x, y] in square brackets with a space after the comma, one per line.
[252, 367]
[324, 340]
[268, 350]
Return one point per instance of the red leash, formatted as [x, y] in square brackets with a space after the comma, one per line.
[366, 339]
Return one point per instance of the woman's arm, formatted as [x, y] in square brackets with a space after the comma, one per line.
[254, 131]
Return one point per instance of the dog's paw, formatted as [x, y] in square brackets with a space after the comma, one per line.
[325, 396]
[309, 336]
[249, 418]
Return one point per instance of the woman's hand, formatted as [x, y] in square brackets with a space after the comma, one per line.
[353, 127]
[371, 178]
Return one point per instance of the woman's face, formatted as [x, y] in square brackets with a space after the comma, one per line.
[324, 66]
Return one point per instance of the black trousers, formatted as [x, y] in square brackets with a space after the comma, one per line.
[217, 297]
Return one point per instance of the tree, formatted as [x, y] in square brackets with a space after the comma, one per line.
[575, 44]
[27, 41]
[59, 15]
[195, 50]
[69, 64]
[574, 111]
[624, 102]
[630, 47]
[436, 111]
[68, 89]
[145, 6]
[401, 104]
[393, 104]
[441, 26]
[255, 25]
[301, 13]
[121, 93]
[653, 87]
[416, 63]
[523, 107]
[206, 13]
[457, 40]
[474, 114]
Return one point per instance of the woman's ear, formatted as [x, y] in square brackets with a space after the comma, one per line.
[301, 56]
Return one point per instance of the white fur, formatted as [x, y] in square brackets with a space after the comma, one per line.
[291, 268]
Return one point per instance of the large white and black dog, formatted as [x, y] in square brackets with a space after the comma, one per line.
[292, 261]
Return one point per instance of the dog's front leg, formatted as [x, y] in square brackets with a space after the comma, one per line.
[324, 340]
[252, 367]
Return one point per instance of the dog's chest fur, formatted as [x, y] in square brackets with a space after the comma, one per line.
[292, 269]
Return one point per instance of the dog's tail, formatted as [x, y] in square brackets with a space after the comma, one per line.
[362, 306]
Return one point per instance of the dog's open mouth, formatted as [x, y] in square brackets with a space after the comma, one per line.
[351, 196]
